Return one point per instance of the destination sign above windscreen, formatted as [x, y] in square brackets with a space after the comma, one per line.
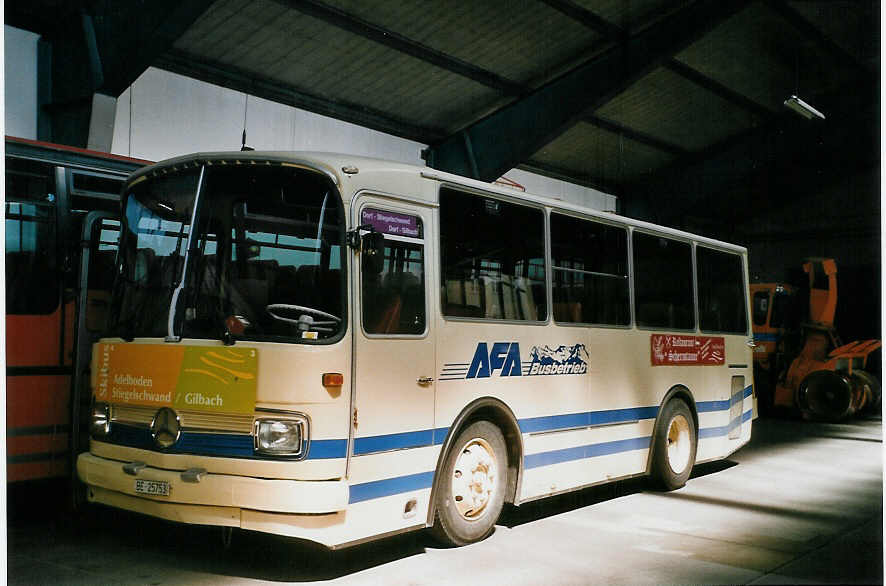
[392, 222]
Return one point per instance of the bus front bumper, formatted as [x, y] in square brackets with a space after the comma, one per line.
[214, 499]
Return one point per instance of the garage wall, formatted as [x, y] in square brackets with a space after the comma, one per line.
[840, 220]
[164, 114]
[20, 82]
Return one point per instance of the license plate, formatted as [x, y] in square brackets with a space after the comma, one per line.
[152, 487]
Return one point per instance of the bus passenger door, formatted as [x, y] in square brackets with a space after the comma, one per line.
[394, 343]
[101, 232]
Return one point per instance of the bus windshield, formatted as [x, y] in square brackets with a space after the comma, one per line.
[264, 263]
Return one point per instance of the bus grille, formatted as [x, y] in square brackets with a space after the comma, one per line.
[192, 420]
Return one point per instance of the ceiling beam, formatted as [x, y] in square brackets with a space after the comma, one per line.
[249, 83]
[90, 51]
[636, 135]
[514, 133]
[393, 40]
[813, 33]
[590, 19]
[570, 176]
[717, 88]
[130, 35]
[618, 34]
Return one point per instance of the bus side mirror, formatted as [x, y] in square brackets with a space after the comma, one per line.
[372, 250]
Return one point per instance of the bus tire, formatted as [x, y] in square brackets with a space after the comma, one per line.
[471, 485]
[674, 445]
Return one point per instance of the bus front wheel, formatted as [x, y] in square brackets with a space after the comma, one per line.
[471, 485]
[674, 446]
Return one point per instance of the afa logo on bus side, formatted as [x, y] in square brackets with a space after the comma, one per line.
[504, 359]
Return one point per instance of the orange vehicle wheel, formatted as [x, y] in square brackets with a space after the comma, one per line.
[871, 388]
[825, 395]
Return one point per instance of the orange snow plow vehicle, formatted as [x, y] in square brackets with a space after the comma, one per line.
[776, 329]
[825, 379]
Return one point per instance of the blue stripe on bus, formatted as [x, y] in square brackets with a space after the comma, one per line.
[554, 422]
[241, 445]
[394, 441]
[327, 449]
[424, 480]
[216, 444]
[623, 415]
[710, 406]
[390, 486]
[618, 446]
[397, 441]
[766, 337]
[571, 420]
[582, 452]
[722, 430]
[421, 438]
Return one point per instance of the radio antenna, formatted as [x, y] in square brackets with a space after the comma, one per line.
[243, 146]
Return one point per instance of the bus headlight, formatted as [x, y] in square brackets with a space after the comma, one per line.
[100, 422]
[280, 436]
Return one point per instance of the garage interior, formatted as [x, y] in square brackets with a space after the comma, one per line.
[676, 108]
[679, 109]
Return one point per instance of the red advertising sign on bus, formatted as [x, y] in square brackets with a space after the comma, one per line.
[678, 349]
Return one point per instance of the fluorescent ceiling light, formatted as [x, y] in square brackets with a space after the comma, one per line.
[802, 108]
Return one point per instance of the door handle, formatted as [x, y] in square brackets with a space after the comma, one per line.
[751, 344]
[425, 380]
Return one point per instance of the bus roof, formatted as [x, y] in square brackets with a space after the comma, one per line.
[361, 172]
[72, 156]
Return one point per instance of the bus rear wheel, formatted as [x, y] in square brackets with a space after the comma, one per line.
[471, 485]
[674, 446]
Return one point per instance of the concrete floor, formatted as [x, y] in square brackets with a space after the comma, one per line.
[802, 503]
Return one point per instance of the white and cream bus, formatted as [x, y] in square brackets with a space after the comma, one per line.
[337, 348]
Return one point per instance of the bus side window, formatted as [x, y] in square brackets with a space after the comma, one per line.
[590, 272]
[393, 296]
[492, 255]
[721, 300]
[32, 285]
[663, 282]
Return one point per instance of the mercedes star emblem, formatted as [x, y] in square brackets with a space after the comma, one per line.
[166, 427]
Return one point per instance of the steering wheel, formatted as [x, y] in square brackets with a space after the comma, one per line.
[305, 320]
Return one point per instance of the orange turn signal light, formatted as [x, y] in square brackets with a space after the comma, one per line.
[333, 379]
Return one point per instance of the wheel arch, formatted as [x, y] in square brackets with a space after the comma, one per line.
[498, 413]
[678, 391]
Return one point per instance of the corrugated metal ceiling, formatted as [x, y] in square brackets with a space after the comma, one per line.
[463, 73]
[519, 41]
[608, 157]
[730, 81]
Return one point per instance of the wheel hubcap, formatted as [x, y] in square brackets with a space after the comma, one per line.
[474, 478]
[679, 444]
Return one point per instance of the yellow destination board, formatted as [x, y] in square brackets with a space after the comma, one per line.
[195, 378]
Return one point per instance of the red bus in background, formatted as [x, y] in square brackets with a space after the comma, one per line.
[61, 203]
